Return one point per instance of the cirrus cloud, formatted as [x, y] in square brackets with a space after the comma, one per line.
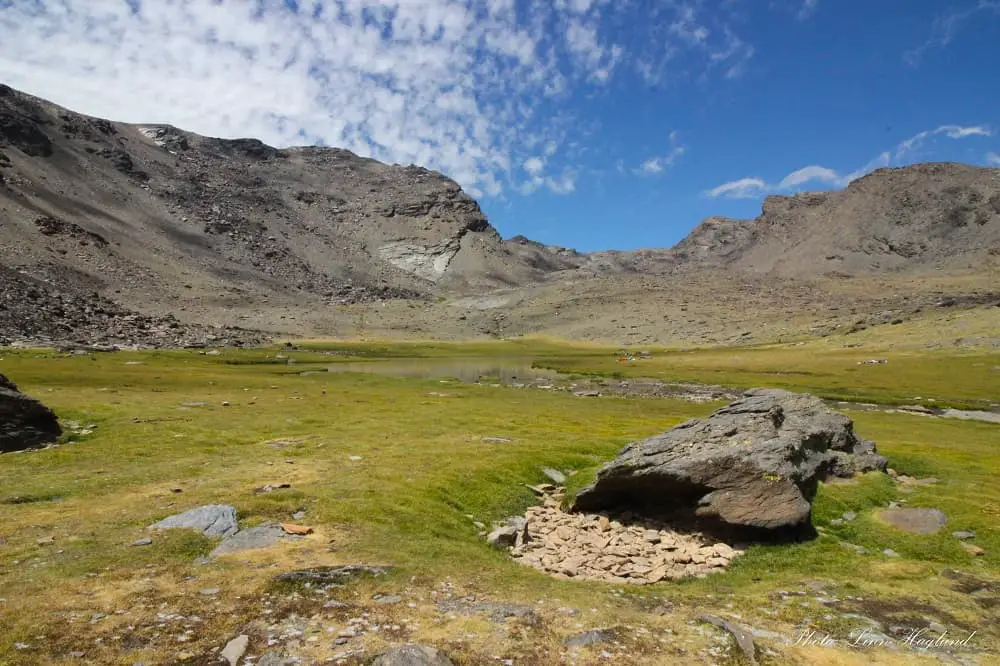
[472, 88]
[904, 152]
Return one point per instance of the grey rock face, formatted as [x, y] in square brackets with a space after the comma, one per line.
[25, 423]
[743, 638]
[250, 539]
[512, 533]
[412, 655]
[213, 520]
[754, 463]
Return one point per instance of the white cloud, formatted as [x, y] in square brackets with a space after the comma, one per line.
[454, 85]
[755, 187]
[946, 26]
[808, 174]
[658, 164]
[807, 9]
[744, 188]
[993, 159]
[909, 147]
[534, 165]
[652, 165]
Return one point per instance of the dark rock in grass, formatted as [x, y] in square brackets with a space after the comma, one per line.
[213, 520]
[25, 423]
[591, 637]
[914, 521]
[755, 463]
[743, 638]
[413, 655]
[324, 576]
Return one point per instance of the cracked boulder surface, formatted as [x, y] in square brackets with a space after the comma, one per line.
[753, 464]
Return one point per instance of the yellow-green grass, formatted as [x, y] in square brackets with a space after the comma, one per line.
[424, 469]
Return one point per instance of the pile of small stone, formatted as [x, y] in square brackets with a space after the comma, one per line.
[598, 547]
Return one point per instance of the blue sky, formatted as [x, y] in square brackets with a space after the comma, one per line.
[588, 123]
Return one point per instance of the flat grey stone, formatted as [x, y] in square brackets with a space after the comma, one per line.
[262, 536]
[555, 475]
[235, 649]
[914, 521]
[743, 638]
[145, 541]
[964, 535]
[388, 599]
[213, 520]
[413, 655]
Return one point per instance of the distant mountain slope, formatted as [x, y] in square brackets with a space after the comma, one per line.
[149, 210]
[922, 216]
[100, 220]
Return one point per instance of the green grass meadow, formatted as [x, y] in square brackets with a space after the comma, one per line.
[395, 471]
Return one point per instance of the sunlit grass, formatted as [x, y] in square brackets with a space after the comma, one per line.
[389, 473]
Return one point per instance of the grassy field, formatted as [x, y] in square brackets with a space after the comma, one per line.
[395, 471]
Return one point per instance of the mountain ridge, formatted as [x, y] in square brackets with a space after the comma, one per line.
[168, 222]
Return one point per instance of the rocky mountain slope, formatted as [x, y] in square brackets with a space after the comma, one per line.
[151, 208]
[924, 216]
[101, 221]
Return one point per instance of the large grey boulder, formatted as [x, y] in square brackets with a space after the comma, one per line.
[25, 423]
[413, 655]
[213, 520]
[755, 463]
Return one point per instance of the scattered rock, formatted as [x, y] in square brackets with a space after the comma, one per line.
[889, 552]
[235, 649]
[591, 637]
[213, 520]
[496, 440]
[743, 638]
[512, 533]
[262, 536]
[412, 655]
[208, 591]
[25, 423]
[591, 547]
[271, 487]
[387, 599]
[555, 475]
[964, 535]
[914, 521]
[973, 549]
[145, 541]
[324, 576]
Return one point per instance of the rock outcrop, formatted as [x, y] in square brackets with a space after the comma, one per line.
[755, 463]
[25, 423]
